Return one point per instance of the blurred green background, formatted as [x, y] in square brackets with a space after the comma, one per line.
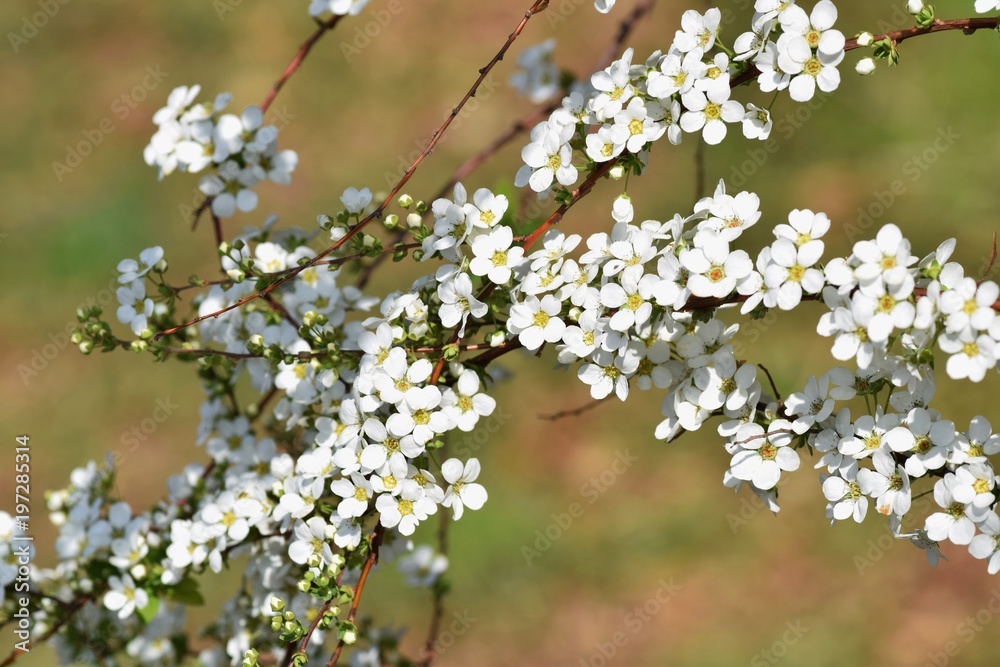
[750, 588]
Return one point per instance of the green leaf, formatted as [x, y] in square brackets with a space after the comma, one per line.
[148, 612]
[186, 592]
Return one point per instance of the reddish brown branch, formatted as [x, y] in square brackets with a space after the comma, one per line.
[536, 7]
[359, 589]
[575, 412]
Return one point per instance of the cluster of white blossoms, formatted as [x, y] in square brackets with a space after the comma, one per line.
[687, 89]
[240, 150]
[343, 449]
[537, 76]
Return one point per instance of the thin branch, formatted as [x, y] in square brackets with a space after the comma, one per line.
[993, 258]
[76, 606]
[574, 412]
[536, 7]
[359, 588]
[437, 614]
[322, 28]
[293, 66]
[967, 26]
[774, 387]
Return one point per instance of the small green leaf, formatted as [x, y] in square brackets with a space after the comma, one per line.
[148, 612]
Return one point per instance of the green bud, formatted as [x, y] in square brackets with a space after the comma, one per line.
[304, 586]
[86, 347]
[422, 206]
[451, 352]
[391, 221]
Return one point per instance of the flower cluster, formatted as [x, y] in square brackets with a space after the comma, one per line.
[687, 89]
[241, 150]
[344, 448]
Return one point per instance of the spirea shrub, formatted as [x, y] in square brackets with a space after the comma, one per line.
[344, 451]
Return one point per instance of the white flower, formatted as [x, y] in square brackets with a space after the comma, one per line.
[714, 269]
[355, 201]
[537, 76]
[632, 298]
[536, 321]
[954, 523]
[968, 305]
[458, 302]
[124, 596]
[336, 7]
[311, 539]
[641, 128]
[604, 6]
[808, 68]
[462, 491]
[231, 189]
[423, 567]
[888, 484]
[845, 497]
[547, 159]
[757, 122]
[135, 309]
[987, 544]
[816, 29]
[698, 31]
[709, 112]
[486, 209]
[971, 355]
[613, 87]
[607, 143]
[790, 273]
[677, 74]
[761, 457]
[983, 6]
[464, 404]
[494, 256]
[975, 485]
[608, 372]
[406, 511]
[355, 492]
[131, 270]
[811, 406]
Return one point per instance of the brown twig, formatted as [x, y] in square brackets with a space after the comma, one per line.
[322, 28]
[536, 7]
[967, 26]
[359, 588]
[574, 412]
[993, 258]
[437, 613]
[75, 607]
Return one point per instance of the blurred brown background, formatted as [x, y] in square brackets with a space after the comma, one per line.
[721, 582]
